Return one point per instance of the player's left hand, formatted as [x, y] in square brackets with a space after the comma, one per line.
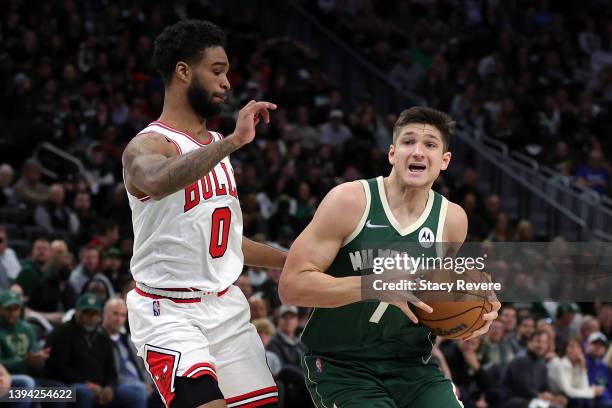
[488, 317]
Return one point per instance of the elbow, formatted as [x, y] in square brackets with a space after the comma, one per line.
[154, 189]
[286, 292]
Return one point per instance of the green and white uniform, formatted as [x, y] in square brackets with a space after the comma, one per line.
[369, 354]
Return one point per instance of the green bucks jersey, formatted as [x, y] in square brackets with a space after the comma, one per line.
[371, 329]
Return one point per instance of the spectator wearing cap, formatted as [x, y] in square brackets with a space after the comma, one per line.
[29, 189]
[83, 357]
[19, 350]
[133, 380]
[598, 371]
[288, 347]
[32, 270]
[9, 264]
[334, 132]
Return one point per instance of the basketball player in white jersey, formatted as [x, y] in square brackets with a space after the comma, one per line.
[189, 323]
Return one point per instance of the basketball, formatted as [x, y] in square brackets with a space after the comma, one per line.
[457, 309]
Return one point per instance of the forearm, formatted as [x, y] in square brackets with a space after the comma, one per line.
[258, 254]
[318, 289]
[171, 175]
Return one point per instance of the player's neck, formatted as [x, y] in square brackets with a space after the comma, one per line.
[178, 115]
[405, 202]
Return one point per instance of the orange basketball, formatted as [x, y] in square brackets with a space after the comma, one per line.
[457, 312]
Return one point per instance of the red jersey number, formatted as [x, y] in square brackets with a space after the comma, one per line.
[219, 234]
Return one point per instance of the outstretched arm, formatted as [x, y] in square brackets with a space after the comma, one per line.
[152, 167]
[258, 254]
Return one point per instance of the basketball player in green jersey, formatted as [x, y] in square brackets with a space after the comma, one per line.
[364, 353]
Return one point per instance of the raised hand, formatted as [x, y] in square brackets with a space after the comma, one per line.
[248, 118]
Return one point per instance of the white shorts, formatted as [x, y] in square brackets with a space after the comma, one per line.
[210, 335]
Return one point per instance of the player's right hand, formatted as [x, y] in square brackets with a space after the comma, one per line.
[248, 118]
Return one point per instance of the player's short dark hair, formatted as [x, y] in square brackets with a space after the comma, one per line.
[184, 41]
[429, 116]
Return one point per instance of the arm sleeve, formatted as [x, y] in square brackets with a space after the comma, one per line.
[564, 378]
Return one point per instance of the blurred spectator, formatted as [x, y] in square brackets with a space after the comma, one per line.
[8, 381]
[334, 132]
[598, 371]
[54, 216]
[29, 189]
[290, 350]
[406, 74]
[114, 269]
[32, 270]
[526, 378]
[9, 264]
[86, 217]
[492, 210]
[7, 192]
[564, 318]
[88, 269]
[259, 308]
[568, 376]
[108, 235]
[303, 131]
[54, 295]
[134, 383]
[19, 349]
[594, 174]
[493, 349]
[83, 357]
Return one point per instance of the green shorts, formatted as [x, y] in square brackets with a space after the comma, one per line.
[378, 384]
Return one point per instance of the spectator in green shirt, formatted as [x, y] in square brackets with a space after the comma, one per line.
[32, 270]
[19, 350]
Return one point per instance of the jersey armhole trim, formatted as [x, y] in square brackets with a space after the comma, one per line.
[364, 216]
[440, 244]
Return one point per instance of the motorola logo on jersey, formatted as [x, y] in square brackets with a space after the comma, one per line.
[426, 237]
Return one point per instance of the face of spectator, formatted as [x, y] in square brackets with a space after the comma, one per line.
[574, 351]
[41, 252]
[265, 338]
[469, 202]
[99, 289]
[10, 314]
[208, 83]
[6, 175]
[288, 323]
[58, 248]
[113, 263]
[596, 349]
[596, 159]
[496, 332]
[258, 308]
[492, 204]
[417, 155]
[90, 259]
[56, 195]
[508, 318]
[115, 314]
[539, 344]
[113, 234]
[88, 319]
[526, 328]
[32, 174]
[82, 202]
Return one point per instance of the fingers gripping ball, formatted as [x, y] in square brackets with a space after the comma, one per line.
[457, 308]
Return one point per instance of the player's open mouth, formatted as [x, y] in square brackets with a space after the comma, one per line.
[416, 168]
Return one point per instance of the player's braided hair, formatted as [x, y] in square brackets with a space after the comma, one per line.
[184, 41]
[428, 116]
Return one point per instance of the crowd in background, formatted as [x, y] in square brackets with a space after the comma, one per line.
[77, 75]
[534, 74]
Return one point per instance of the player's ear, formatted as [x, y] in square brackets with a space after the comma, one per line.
[446, 158]
[392, 154]
[182, 71]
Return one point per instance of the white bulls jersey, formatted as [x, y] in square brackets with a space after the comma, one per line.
[191, 239]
